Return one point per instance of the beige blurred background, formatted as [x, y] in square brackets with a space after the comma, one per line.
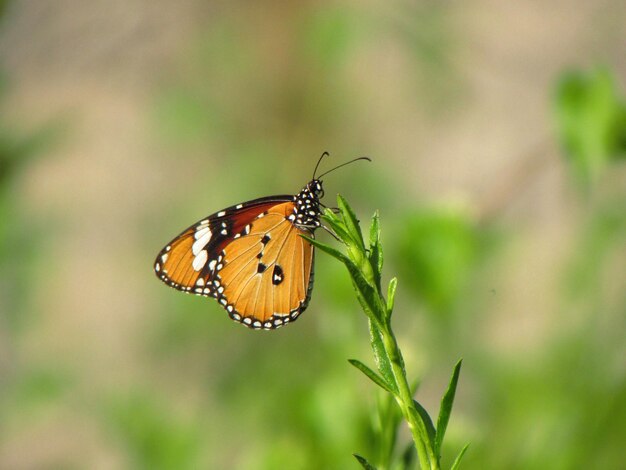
[155, 114]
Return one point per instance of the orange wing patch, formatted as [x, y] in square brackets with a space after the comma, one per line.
[175, 263]
[266, 274]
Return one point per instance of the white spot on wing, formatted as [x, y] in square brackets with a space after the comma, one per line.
[200, 260]
[201, 242]
[238, 206]
[201, 232]
[221, 213]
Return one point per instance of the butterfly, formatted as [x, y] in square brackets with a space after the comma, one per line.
[251, 257]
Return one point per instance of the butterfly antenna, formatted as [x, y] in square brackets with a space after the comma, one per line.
[325, 154]
[344, 164]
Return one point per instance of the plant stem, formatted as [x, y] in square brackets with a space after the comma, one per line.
[404, 399]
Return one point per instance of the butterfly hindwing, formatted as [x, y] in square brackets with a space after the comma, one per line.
[268, 271]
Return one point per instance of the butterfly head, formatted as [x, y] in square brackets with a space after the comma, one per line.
[315, 187]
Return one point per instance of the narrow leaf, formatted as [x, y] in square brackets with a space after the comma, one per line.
[457, 461]
[351, 222]
[373, 376]
[391, 295]
[364, 463]
[332, 215]
[380, 355]
[446, 407]
[368, 297]
[325, 248]
[428, 423]
[375, 229]
[376, 249]
[370, 300]
[338, 227]
[376, 257]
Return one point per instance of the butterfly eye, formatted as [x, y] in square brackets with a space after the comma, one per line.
[316, 188]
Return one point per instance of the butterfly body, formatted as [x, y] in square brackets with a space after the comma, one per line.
[250, 257]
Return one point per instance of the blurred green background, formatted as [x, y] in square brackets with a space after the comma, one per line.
[498, 135]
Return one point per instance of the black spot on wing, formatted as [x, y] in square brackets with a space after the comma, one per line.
[277, 275]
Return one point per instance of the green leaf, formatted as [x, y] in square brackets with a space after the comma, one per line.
[375, 248]
[337, 226]
[457, 461]
[326, 248]
[367, 295]
[391, 295]
[371, 375]
[370, 300]
[380, 355]
[446, 407]
[351, 222]
[332, 215]
[428, 423]
[375, 230]
[364, 463]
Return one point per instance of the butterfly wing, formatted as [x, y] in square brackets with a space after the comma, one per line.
[250, 257]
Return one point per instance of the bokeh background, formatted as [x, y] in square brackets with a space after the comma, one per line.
[497, 133]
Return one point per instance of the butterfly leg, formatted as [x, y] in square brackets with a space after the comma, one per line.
[331, 232]
[334, 209]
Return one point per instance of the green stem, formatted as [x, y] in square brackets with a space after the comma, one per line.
[365, 268]
[428, 459]
[404, 397]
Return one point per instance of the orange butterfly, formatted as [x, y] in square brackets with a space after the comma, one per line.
[251, 257]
